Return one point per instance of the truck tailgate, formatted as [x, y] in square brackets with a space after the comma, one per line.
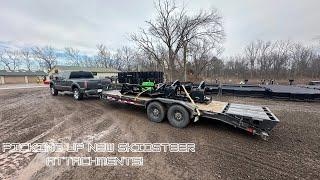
[94, 84]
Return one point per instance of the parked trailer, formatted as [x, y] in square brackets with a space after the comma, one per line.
[254, 119]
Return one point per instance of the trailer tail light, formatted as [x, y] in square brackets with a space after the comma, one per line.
[85, 84]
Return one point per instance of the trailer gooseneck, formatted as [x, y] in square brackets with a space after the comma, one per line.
[183, 110]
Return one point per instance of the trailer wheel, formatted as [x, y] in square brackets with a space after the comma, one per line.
[178, 116]
[155, 112]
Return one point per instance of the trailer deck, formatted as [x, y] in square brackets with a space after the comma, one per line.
[214, 106]
[255, 119]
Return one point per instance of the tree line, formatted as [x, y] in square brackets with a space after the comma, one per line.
[28, 58]
[184, 46]
[275, 60]
[45, 58]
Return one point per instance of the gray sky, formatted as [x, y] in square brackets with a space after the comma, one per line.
[83, 24]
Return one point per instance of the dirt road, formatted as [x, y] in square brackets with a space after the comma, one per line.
[32, 115]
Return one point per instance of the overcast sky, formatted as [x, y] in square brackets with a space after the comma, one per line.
[83, 24]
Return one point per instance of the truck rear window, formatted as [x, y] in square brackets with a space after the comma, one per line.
[80, 75]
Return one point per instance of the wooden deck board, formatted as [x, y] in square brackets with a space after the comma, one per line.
[214, 106]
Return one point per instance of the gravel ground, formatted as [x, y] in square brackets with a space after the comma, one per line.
[22, 86]
[222, 152]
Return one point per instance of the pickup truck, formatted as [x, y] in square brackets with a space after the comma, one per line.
[79, 82]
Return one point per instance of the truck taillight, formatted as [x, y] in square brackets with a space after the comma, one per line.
[85, 84]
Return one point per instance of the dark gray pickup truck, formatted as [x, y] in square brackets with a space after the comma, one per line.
[79, 82]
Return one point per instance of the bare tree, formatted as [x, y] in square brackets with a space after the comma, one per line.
[164, 31]
[252, 54]
[173, 30]
[206, 26]
[104, 56]
[4, 61]
[265, 61]
[152, 48]
[236, 67]
[315, 67]
[46, 56]
[302, 57]
[126, 58]
[280, 57]
[118, 61]
[89, 61]
[11, 59]
[14, 57]
[27, 58]
[73, 56]
[204, 55]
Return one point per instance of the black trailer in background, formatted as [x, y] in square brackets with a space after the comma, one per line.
[287, 92]
[139, 77]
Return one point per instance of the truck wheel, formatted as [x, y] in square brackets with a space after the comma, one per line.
[53, 91]
[77, 95]
[155, 112]
[178, 116]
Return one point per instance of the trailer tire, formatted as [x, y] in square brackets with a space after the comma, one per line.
[178, 116]
[156, 112]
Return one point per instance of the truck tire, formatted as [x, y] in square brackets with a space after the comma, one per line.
[156, 112]
[53, 91]
[178, 116]
[77, 95]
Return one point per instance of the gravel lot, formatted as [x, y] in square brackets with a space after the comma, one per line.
[32, 115]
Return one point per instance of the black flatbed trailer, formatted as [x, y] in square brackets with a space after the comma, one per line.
[254, 119]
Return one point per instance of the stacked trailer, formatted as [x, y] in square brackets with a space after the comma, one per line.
[140, 77]
[254, 119]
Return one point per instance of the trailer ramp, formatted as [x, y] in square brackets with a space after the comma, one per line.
[254, 119]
